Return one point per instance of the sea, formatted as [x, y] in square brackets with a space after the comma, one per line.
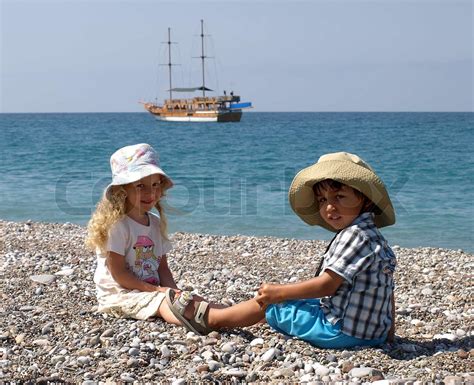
[233, 178]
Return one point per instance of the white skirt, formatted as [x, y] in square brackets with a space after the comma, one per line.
[136, 304]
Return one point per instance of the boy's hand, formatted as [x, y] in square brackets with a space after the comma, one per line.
[268, 293]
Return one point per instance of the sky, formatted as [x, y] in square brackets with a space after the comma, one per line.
[105, 56]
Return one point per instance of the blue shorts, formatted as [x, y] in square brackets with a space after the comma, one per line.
[306, 320]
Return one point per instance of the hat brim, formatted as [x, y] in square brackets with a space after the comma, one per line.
[304, 203]
[125, 178]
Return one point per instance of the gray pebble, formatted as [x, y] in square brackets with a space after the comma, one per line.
[88, 375]
[321, 370]
[427, 291]
[58, 358]
[94, 341]
[207, 355]
[150, 346]
[84, 360]
[346, 354]
[107, 333]
[132, 362]
[360, 372]
[228, 348]
[4, 363]
[331, 358]
[44, 279]
[165, 351]
[41, 342]
[234, 372]
[210, 341]
[306, 378]
[283, 372]
[127, 377]
[46, 329]
[257, 342]
[269, 355]
[134, 352]
[251, 377]
[213, 365]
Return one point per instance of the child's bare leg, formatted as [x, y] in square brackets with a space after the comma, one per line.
[214, 305]
[243, 314]
[165, 312]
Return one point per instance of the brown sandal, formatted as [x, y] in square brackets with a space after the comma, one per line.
[197, 325]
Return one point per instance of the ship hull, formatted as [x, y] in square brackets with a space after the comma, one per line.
[226, 116]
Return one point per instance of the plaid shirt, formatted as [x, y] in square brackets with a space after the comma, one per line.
[362, 256]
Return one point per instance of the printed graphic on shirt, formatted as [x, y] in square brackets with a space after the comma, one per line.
[146, 262]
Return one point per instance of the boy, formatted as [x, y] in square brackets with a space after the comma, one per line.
[350, 302]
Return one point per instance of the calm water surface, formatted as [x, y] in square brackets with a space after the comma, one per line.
[233, 178]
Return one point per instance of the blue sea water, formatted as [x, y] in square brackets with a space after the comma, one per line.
[233, 178]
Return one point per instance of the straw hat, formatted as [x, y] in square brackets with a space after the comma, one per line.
[132, 163]
[345, 168]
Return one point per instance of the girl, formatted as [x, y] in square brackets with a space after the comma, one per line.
[350, 301]
[131, 243]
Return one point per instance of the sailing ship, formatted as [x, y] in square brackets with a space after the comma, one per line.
[225, 108]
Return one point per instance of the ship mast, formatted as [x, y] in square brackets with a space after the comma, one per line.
[169, 64]
[169, 59]
[202, 58]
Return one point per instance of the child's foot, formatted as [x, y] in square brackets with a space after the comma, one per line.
[196, 323]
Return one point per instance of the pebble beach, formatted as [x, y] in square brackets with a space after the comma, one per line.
[50, 330]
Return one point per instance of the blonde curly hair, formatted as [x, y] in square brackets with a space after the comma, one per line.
[109, 211]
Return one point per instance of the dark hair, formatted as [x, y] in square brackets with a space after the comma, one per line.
[334, 185]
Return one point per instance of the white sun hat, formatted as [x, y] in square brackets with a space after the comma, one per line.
[132, 163]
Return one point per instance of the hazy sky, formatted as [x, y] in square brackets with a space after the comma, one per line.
[104, 56]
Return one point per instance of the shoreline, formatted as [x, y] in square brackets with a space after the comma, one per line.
[51, 330]
[249, 235]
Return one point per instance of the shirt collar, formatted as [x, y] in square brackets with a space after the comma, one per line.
[366, 219]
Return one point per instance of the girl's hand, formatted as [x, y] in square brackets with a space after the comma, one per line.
[269, 293]
[163, 289]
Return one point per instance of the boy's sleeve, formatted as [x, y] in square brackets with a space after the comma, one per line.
[349, 255]
[118, 237]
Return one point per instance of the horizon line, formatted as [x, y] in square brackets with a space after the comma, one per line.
[247, 112]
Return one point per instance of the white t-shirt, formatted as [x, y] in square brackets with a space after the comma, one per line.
[142, 246]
